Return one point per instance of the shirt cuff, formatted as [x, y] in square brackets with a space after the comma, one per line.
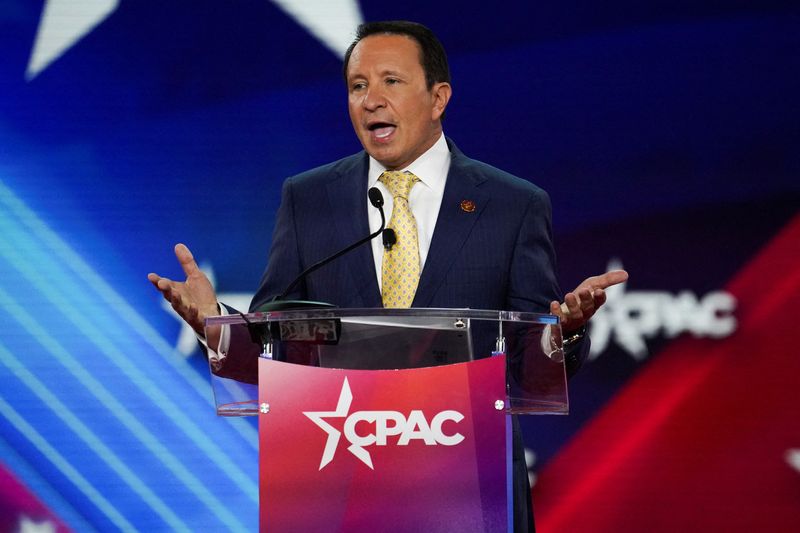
[216, 356]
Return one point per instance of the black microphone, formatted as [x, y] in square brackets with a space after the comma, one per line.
[376, 199]
[389, 239]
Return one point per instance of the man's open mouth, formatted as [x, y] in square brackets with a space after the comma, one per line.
[381, 130]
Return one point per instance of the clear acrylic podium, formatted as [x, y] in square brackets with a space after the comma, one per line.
[387, 419]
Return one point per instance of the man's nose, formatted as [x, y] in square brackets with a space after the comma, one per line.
[374, 99]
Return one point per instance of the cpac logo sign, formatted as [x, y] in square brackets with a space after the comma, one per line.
[386, 424]
[630, 317]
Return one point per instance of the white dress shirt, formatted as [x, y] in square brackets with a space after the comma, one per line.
[424, 200]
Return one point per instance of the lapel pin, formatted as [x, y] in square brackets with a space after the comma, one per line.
[468, 206]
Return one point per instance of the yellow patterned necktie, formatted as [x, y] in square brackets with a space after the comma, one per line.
[400, 273]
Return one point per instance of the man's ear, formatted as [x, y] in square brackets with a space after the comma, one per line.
[441, 93]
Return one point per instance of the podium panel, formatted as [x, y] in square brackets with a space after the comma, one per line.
[386, 450]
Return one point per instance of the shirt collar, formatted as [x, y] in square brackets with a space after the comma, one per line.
[431, 167]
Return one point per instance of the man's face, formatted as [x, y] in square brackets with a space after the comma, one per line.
[394, 114]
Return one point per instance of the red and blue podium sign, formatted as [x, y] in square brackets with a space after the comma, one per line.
[384, 450]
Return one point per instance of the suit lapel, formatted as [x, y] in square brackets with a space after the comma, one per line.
[453, 224]
[347, 198]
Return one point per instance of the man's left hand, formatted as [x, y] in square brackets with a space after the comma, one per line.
[580, 304]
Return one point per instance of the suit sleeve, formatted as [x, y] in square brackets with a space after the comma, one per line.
[532, 276]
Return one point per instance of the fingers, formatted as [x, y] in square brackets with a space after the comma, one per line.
[193, 299]
[186, 259]
[579, 301]
[599, 298]
[581, 304]
[571, 302]
[174, 293]
[153, 278]
[585, 299]
[578, 307]
[162, 284]
[613, 277]
[168, 289]
[603, 281]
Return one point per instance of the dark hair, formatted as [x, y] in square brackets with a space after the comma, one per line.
[431, 52]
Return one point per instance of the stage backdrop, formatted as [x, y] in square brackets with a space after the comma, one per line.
[666, 133]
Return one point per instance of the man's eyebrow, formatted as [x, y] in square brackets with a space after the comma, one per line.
[383, 73]
[394, 73]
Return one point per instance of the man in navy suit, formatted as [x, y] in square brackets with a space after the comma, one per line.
[484, 235]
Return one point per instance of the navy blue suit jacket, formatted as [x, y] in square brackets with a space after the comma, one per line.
[499, 256]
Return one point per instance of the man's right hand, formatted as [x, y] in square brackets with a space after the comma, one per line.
[193, 299]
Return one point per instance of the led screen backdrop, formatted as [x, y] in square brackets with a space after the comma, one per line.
[666, 133]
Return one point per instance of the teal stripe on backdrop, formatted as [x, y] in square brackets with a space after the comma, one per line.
[40, 485]
[38, 441]
[66, 257]
[51, 269]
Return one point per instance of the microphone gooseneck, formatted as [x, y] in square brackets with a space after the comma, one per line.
[376, 199]
[389, 236]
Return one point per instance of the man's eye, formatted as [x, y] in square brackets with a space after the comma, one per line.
[392, 81]
[358, 86]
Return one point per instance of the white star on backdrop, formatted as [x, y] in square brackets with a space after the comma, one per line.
[26, 525]
[65, 22]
